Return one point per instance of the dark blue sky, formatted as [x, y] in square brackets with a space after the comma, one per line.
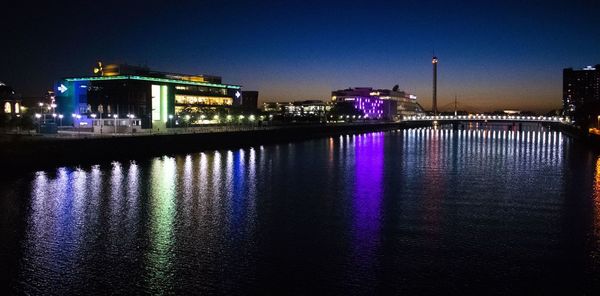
[492, 55]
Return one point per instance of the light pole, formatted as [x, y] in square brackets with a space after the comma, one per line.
[170, 120]
[60, 117]
[93, 120]
[115, 117]
[131, 116]
[78, 117]
[187, 122]
[38, 116]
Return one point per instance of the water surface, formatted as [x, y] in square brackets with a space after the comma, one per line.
[423, 211]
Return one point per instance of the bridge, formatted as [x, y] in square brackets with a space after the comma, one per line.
[488, 118]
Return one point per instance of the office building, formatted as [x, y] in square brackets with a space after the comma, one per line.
[155, 99]
[298, 110]
[250, 100]
[581, 93]
[382, 104]
[11, 101]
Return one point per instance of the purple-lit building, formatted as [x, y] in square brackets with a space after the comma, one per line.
[381, 104]
[371, 107]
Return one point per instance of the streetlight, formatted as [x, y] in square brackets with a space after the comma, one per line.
[78, 123]
[131, 116]
[187, 121]
[170, 120]
[94, 122]
[60, 116]
[38, 116]
[115, 117]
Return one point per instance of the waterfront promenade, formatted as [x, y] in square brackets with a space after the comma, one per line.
[33, 151]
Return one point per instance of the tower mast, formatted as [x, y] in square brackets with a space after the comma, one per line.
[434, 61]
[455, 106]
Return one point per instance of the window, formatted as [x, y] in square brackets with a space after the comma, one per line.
[202, 100]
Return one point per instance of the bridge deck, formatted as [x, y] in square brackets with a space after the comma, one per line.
[490, 118]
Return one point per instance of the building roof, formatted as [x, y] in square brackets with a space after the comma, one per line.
[152, 79]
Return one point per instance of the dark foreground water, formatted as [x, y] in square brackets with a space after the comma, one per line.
[419, 211]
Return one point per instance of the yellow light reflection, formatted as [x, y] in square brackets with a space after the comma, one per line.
[160, 256]
[596, 251]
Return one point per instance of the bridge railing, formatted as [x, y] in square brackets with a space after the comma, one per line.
[481, 117]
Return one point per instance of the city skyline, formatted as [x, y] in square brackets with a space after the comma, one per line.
[508, 55]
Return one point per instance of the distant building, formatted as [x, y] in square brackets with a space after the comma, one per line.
[250, 100]
[379, 103]
[11, 102]
[581, 93]
[511, 112]
[155, 99]
[305, 110]
[273, 108]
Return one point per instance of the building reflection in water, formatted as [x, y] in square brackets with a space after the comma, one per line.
[595, 253]
[160, 254]
[196, 216]
[367, 199]
[55, 226]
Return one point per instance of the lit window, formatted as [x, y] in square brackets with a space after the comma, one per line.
[7, 108]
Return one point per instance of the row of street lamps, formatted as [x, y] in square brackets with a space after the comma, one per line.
[187, 117]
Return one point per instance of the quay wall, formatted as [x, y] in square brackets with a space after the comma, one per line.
[31, 152]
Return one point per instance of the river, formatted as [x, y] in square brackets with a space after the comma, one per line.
[425, 211]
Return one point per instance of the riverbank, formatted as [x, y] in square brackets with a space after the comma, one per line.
[22, 152]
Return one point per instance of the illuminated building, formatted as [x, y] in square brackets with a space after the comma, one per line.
[11, 102]
[581, 93]
[157, 99]
[273, 107]
[309, 109]
[382, 104]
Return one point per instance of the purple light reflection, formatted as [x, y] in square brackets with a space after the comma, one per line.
[368, 192]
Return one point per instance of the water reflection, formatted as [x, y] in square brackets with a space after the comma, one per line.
[595, 250]
[347, 210]
[368, 194]
[161, 232]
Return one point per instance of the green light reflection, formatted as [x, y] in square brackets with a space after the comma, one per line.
[160, 257]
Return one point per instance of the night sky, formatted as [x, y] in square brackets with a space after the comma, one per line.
[492, 55]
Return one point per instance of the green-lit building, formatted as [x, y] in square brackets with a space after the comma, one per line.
[155, 99]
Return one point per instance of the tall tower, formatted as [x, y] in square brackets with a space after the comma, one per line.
[434, 61]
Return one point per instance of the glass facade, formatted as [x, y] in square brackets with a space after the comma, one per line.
[202, 100]
[159, 102]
